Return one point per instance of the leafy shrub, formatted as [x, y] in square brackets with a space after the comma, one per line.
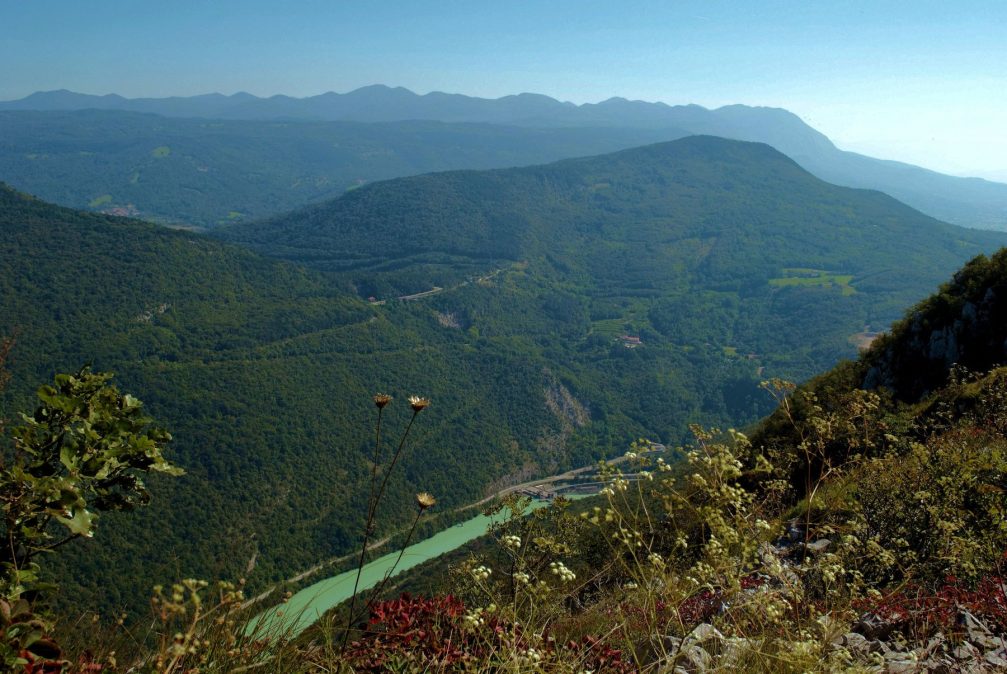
[939, 507]
[81, 452]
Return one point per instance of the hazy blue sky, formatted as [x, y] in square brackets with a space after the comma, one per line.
[921, 81]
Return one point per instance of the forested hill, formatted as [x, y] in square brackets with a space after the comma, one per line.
[75, 282]
[960, 326]
[704, 211]
[725, 259]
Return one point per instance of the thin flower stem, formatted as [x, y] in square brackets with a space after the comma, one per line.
[375, 460]
[368, 529]
[369, 522]
[391, 466]
[391, 571]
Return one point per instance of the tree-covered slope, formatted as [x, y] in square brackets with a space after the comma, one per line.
[577, 305]
[960, 325]
[696, 187]
[663, 281]
[680, 231]
[263, 373]
[871, 508]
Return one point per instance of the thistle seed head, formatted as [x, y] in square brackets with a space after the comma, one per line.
[425, 500]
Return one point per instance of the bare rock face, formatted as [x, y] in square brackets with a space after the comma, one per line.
[964, 324]
[976, 649]
[561, 402]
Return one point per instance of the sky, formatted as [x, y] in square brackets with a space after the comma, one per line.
[921, 81]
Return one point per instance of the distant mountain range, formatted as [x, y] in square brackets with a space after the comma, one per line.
[378, 103]
[967, 201]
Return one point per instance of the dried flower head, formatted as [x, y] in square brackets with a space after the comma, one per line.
[382, 399]
[418, 403]
[425, 500]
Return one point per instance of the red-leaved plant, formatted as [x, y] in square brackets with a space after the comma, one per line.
[918, 613]
[429, 631]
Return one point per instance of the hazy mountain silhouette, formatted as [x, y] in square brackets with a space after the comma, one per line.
[971, 202]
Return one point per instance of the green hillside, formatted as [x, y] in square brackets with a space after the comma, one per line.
[859, 528]
[703, 247]
[264, 373]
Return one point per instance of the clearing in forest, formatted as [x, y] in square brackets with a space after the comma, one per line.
[798, 276]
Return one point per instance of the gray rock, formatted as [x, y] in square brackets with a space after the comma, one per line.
[978, 633]
[704, 632]
[873, 627]
[819, 546]
[997, 658]
[735, 649]
[688, 656]
[966, 653]
[696, 659]
[856, 644]
[944, 345]
[902, 665]
[969, 312]
[938, 666]
[935, 645]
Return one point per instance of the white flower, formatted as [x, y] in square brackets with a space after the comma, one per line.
[511, 541]
[561, 570]
[481, 572]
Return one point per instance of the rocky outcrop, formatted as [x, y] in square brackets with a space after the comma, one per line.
[872, 646]
[964, 324]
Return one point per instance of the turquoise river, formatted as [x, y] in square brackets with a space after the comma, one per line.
[305, 607]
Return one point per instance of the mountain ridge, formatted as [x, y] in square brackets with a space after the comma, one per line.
[959, 200]
[704, 160]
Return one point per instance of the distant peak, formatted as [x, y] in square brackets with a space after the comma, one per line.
[757, 108]
[54, 92]
[382, 88]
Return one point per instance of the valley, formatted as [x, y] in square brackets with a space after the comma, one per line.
[263, 367]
